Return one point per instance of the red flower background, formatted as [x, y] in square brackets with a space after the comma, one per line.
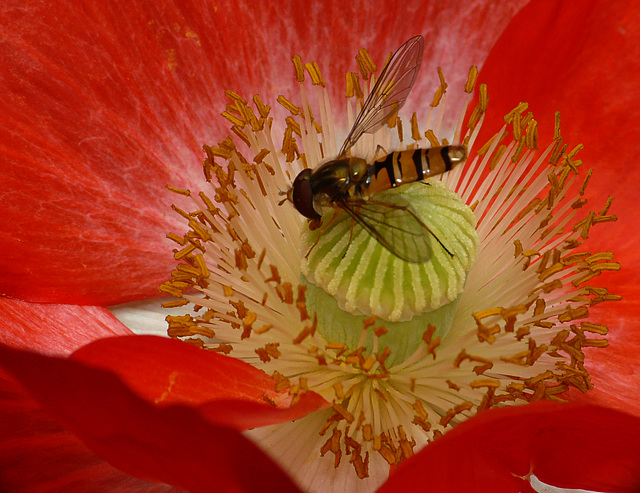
[102, 106]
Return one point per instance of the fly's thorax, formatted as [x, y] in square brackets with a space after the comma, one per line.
[358, 170]
[331, 178]
[338, 180]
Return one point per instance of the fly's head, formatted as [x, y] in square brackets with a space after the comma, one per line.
[302, 196]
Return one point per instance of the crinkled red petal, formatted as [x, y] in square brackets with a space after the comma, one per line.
[583, 59]
[164, 371]
[103, 106]
[173, 444]
[38, 454]
[54, 329]
[564, 445]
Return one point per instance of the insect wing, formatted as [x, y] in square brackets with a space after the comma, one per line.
[390, 91]
[395, 226]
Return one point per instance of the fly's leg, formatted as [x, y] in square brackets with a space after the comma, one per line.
[325, 228]
[322, 230]
[380, 152]
[353, 222]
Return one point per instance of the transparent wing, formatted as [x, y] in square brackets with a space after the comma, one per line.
[395, 226]
[390, 91]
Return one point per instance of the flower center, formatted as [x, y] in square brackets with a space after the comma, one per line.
[401, 350]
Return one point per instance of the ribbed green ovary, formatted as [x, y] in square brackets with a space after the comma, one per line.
[347, 285]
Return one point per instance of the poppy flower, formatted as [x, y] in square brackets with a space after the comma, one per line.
[79, 249]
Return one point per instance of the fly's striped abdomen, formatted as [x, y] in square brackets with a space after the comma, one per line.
[402, 167]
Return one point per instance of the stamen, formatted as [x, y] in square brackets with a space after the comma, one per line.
[442, 89]
[365, 64]
[314, 72]
[353, 86]
[299, 68]
[416, 347]
[471, 79]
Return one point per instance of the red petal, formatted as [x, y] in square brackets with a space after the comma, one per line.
[87, 155]
[54, 329]
[164, 371]
[39, 454]
[172, 444]
[565, 445]
[160, 370]
[583, 58]
[105, 106]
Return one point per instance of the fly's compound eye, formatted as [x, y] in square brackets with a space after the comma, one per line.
[302, 195]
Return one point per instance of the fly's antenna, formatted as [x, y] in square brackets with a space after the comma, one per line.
[287, 195]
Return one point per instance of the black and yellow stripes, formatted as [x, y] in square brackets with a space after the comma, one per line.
[398, 168]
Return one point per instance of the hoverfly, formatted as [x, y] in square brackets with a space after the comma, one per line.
[350, 183]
